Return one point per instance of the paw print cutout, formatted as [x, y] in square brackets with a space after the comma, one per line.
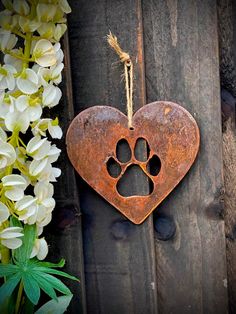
[133, 163]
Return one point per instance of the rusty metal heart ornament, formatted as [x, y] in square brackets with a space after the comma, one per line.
[168, 129]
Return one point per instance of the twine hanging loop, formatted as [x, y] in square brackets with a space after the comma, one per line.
[128, 69]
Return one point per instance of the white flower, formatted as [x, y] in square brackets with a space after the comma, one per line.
[37, 167]
[59, 53]
[40, 249]
[38, 148]
[49, 173]
[9, 237]
[59, 31]
[48, 124]
[7, 154]
[46, 12]
[39, 230]
[43, 190]
[52, 75]
[44, 53]
[53, 154]
[46, 30]
[4, 213]
[3, 134]
[26, 207]
[64, 5]
[14, 186]
[16, 63]
[28, 25]
[54, 130]
[51, 96]
[5, 18]
[7, 79]
[27, 82]
[7, 104]
[17, 121]
[21, 7]
[7, 40]
[46, 203]
[24, 103]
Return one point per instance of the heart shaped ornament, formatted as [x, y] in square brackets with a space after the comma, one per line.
[171, 135]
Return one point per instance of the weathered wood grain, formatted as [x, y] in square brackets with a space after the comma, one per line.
[181, 54]
[119, 256]
[227, 40]
[227, 43]
[229, 154]
[65, 231]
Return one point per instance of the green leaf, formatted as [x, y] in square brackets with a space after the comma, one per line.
[14, 222]
[7, 270]
[45, 285]
[47, 264]
[8, 306]
[31, 288]
[8, 287]
[23, 252]
[56, 283]
[55, 307]
[56, 272]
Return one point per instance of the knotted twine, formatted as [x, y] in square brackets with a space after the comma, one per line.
[128, 70]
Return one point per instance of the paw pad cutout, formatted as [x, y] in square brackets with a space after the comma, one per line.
[130, 165]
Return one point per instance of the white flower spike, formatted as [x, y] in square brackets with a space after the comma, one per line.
[30, 72]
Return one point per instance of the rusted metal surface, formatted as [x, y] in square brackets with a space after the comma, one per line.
[171, 133]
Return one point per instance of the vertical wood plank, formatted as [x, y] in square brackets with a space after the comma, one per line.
[119, 256]
[229, 154]
[227, 36]
[181, 54]
[227, 43]
[65, 231]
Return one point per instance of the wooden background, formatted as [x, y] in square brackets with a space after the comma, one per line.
[177, 261]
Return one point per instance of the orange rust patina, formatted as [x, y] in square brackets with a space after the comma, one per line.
[171, 133]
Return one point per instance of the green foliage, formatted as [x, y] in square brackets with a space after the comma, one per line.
[31, 273]
[35, 276]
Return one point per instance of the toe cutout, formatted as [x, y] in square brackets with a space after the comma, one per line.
[113, 168]
[154, 165]
[123, 151]
[141, 150]
[128, 185]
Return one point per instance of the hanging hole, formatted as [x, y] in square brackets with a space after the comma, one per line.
[123, 151]
[141, 150]
[154, 165]
[131, 128]
[113, 168]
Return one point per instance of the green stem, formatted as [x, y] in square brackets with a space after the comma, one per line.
[19, 298]
[5, 253]
[28, 40]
